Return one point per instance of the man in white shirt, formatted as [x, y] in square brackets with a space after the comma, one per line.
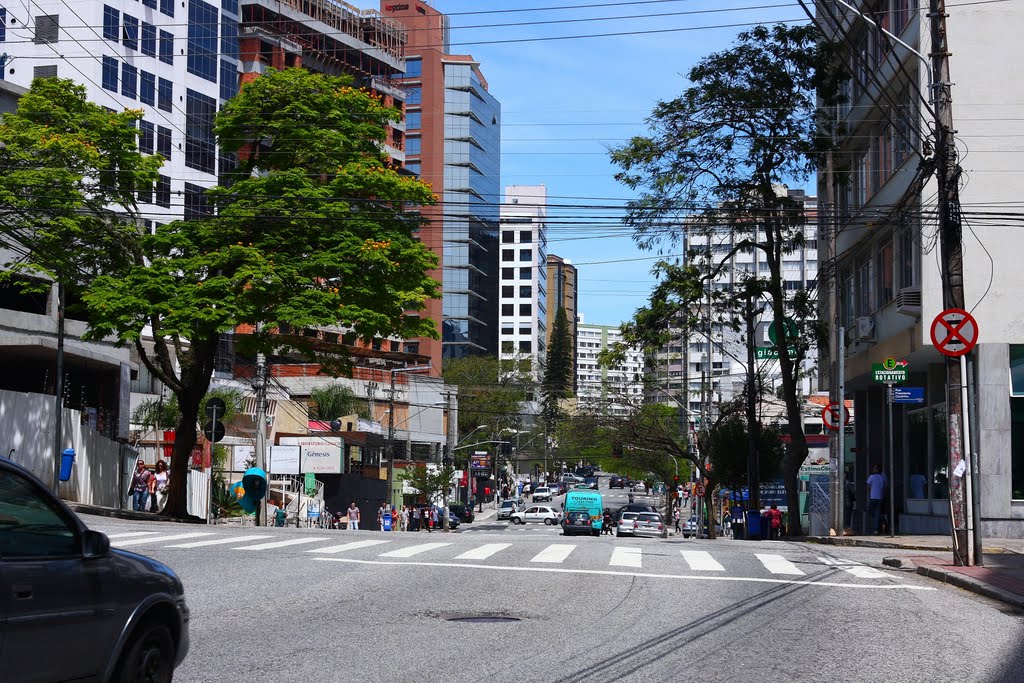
[877, 484]
[353, 517]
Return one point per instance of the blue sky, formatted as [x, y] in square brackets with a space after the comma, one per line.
[564, 102]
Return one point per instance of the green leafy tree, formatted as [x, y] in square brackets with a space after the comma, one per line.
[491, 391]
[559, 370]
[314, 229]
[727, 452]
[334, 401]
[712, 162]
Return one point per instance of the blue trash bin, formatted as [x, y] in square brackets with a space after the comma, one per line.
[386, 521]
[67, 459]
[753, 524]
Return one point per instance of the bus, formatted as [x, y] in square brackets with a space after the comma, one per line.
[584, 512]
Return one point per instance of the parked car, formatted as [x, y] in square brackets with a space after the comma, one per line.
[547, 514]
[73, 607]
[648, 524]
[453, 520]
[626, 524]
[570, 479]
[541, 493]
[689, 527]
[464, 512]
[577, 522]
[509, 506]
[617, 482]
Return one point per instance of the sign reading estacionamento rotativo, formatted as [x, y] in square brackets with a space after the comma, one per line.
[890, 371]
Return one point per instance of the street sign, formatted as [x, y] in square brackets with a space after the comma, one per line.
[908, 394]
[215, 407]
[214, 431]
[834, 416]
[890, 371]
[771, 353]
[791, 331]
[954, 332]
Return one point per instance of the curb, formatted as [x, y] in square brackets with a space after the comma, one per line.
[849, 541]
[97, 511]
[973, 585]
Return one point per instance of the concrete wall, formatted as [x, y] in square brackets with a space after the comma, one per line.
[26, 425]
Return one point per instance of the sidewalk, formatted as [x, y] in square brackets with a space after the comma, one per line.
[1000, 578]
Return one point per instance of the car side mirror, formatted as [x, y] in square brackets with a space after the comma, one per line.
[95, 545]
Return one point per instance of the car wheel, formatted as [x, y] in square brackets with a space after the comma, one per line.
[148, 657]
[549, 521]
[516, 520]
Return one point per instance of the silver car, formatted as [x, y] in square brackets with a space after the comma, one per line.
[507, 508]
[648, 524]
[627, 523]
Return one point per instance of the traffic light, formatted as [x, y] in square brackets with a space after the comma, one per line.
[251, 490]
[214, 428]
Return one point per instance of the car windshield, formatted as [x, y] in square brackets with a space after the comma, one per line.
[578, 515]
[649, 517]
[508, 504]
[629, 515]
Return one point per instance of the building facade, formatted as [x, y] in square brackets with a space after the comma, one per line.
[523, 315]
[880, 225]
[453, 129]
[562, 278]
[606, 390]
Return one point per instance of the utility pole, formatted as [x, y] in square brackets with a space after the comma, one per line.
[448, 458]
[58, 418]
[753, 466]
[951, 255]
[391, 436]
[261, 430]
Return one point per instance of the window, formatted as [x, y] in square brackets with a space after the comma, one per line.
[883, 267]
[47, 29]
[525, 254]
[33, 525]
[164, 94]
[149, 3]
[525, 345]
[202, 40]
[163, 191]
[525, 273]
[508, 291]
[525, 309]
[111, 23]
[200, 143]
[413, 120]
[129, 81]
[413, 145]
[508, 347]
[907, 257]
[163, 142]
[508, 237]
[147, 88]
[166, 47]
[130, 32]
[508, 273]
[44, 71]
[864, 288]
[508, 255]
[414, 96]
[109, 77]
[526, 236]
[229, 6]
[148, 39]
[167, 7]
[412, 347]
[145, 194]
[3, 31]
[413, 68]
[147, 137]
[228, 79]
[525, 291]
[525, 331]
[196, 203]
[228, 37]
[508, 309]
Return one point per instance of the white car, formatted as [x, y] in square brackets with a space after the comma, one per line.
[627, 524]
[640, 487]
[542, 493]
[538, 513]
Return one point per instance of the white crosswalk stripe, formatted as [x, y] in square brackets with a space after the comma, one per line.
[626, 557]
[483, 552]
[156, 539]
[132, 534]
[218, 541]
[777, 564]
[414, 550]
[554, 553]
[279, 544]
[354, 545]
[701, 561]
[854, 568]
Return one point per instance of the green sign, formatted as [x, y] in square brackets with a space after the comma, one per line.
[889, 375]
[771, 353]
[310, 484]
[791, 331]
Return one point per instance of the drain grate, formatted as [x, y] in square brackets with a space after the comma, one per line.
[483, 619]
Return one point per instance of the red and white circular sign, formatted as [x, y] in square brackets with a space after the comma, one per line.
[834, 416]
[954, 332]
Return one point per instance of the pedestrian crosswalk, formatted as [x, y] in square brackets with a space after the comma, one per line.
[529, 554]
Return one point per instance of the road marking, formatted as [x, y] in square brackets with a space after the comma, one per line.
[354, 545]
[777, 564]
[855, 568]
[414, 550]
[279, 544]
[157, 539]
[555, 553]
[218, 541]
[483, 552]
[701, 561]
[626, 557]
[639, 575]
[132, 534]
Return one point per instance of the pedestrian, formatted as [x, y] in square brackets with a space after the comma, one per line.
[774, 522]
[433, 517]
[158, 486]
[877, 483]
[849, 500]
[381, 511]
[405, 518]
[353, 517]
[280, 515]
[416, 518]
[630, 497]
[395, 521]
[675, 518]
[140, 486]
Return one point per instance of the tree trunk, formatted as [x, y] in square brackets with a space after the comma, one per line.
[709, 503]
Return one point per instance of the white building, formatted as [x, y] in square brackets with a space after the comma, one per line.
[522, 313]
[881, 223]
[616, 390]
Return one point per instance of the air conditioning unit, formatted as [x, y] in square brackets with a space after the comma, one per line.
[908, 301]
[865, 328]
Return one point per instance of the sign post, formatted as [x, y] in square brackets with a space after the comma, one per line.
[835, 417]
[890, 372]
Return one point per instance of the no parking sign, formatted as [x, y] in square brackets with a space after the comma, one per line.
[954, 332]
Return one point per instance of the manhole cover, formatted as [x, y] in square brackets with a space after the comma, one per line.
[485, 619]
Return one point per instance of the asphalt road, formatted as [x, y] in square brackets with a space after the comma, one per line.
[315, 605]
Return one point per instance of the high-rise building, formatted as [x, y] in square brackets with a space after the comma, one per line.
[562, 294]
[879, 214]
[453, 126]
[606, 390]
[523, 311]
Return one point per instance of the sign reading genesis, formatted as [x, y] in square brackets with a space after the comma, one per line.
[320, 454]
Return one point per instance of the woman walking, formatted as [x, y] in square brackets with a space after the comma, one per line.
[158, 486]
[140, 486]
